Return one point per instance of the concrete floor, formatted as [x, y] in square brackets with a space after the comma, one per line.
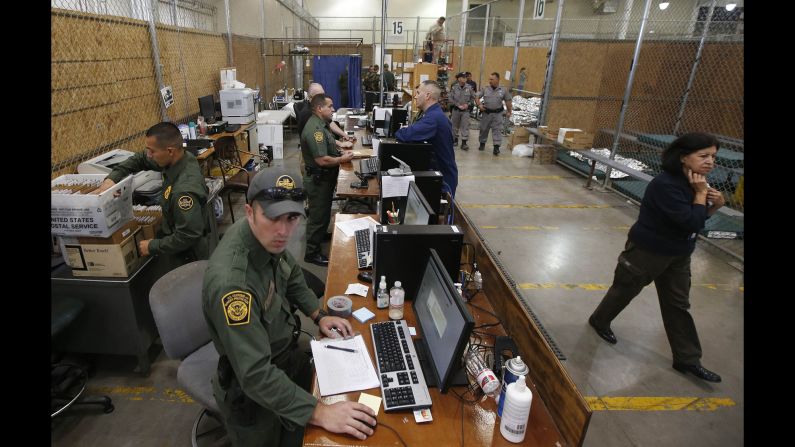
[562, 252]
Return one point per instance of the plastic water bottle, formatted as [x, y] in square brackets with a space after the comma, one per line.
[478, 280]
[382, 298]
[518, 398]
[192, 130]
[478, 369]
[396, 297]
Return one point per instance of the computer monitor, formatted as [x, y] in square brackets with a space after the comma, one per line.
[207, 108]
[417, 210]
[445, 326]
[399, 117]
[387, 123]
[416, 155]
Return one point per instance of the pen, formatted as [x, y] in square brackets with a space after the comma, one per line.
[339, 349]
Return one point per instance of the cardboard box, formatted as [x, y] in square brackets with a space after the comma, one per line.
[90, 214]
[518, 137]
[578, 141]
[149, 230]
[115, 256]
[563, 132]
[544, 154]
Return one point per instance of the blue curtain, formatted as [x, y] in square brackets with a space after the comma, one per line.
[328, 70]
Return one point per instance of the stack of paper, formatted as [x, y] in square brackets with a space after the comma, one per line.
[343, 366]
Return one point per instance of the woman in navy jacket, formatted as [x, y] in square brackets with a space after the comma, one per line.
[674, 209]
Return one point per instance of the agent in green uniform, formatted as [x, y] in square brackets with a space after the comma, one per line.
[183, 233]
[262, 383]
[322, 161]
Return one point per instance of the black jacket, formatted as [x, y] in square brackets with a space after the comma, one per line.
[669, 220]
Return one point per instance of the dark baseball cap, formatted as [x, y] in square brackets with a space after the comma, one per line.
[288, 188]
[461, 75]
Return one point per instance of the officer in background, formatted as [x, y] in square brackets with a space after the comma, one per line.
[183, 236]
[389, 79]
[491, 98]
[322, 161]
[262, 382]
[461, 97]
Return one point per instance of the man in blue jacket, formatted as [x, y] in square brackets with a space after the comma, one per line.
[433, 127]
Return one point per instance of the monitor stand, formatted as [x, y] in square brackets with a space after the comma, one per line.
[459, 376]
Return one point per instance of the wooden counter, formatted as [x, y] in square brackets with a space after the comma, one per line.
[346, 175]
[479, 421]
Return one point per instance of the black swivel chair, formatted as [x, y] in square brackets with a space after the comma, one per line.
[68, 381]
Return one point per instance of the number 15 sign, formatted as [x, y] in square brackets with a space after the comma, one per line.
[395, 33]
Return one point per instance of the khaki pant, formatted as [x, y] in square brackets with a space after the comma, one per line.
[460, 123]
[671, 275]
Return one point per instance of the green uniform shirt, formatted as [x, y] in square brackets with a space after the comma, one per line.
[184, 203]
[246, 301]
[317, 141]
[389, 81]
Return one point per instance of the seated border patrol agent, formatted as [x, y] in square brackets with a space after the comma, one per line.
[183, 236]
[263, 380]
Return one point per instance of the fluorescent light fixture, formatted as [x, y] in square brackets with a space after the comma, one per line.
[731, 6]
[663, 5]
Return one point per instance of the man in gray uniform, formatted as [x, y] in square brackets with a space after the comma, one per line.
[461, 96]
[490, 102]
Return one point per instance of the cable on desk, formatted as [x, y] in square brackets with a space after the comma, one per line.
[395, 432]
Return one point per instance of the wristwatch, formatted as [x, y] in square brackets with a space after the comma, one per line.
[320, 314]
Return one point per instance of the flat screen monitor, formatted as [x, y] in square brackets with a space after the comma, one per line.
[417, 210]
[207, 108]
[416, 155]
[444, 321]
[387, 123]
[399, 117]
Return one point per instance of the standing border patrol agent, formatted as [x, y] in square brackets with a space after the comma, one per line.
[490, 102]
[322, 161]
[183, 234]
[461, 97]
[262, 383]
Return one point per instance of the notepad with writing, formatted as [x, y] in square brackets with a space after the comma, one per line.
[339, 370]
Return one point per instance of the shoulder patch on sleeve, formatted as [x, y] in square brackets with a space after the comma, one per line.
[185, 202]
[237, 307]
[318, 136]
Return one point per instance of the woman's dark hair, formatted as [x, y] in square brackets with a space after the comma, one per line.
[684, 145]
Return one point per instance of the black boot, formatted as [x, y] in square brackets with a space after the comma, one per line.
[464, 146]
[482, 146]
[455, 141]
[496, 149]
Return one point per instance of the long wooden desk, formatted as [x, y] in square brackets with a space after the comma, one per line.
[479, 422]
[346, 175]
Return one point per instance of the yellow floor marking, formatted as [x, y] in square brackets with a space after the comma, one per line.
[594, 287]
[140, 393]
[533, 205]
[658, 403]
[535, 228]
[505, 177]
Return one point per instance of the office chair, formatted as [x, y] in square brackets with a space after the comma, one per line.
[68, 381]
[235, 177]
[176, 302]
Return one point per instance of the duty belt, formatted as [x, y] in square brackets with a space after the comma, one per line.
[493, 110]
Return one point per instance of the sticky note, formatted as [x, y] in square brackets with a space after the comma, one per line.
[371, 401]
[363, 314]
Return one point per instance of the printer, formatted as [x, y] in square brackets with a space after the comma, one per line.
[237, 105]
[144, 182]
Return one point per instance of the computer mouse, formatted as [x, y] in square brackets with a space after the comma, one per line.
[365, 277]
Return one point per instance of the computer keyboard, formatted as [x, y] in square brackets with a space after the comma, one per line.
[402, 382]
[367, 140]
[368, 165]
[362, 238]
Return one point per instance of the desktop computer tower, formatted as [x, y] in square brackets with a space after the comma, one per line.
[429, 183]
[400, 253]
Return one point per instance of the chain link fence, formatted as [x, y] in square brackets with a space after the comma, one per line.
[687, 77]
